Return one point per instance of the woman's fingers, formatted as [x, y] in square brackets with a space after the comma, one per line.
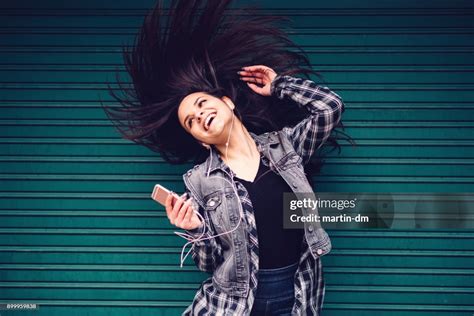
[187, 220]
[189, 214]
[169, 205]
[251, 73]
[252, 79]
[256, 68]
[182, 212]
[258, 74]
[256, 88]
[176, 208]
[261, 70]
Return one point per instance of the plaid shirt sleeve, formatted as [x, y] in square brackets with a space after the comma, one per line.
[325, 109]
[205, 253]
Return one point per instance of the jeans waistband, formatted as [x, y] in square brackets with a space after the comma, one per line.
[278, 273]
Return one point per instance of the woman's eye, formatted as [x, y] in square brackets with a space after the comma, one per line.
[191, 120]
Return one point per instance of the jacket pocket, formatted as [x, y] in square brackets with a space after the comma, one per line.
[215, 207]
[213, 200]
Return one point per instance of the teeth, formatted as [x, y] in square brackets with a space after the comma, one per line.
[206, 123]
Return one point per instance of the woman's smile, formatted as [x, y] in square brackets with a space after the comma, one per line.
[208, 121]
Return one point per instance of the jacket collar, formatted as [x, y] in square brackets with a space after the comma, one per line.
[214, 161]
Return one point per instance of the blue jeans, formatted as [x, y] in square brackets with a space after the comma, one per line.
[275, 291]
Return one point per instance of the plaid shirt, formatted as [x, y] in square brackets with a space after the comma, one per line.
[307, 136]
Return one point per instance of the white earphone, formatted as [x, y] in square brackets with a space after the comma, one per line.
[241, 213]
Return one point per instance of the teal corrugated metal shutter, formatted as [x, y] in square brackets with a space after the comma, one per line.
[79, 234]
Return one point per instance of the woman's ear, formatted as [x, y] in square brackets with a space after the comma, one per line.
[229, 102]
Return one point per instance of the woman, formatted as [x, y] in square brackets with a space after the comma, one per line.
[220, 84]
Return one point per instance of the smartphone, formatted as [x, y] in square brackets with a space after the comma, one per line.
[160, 193]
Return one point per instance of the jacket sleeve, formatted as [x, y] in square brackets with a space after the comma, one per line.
[205, 253]
[325, 108]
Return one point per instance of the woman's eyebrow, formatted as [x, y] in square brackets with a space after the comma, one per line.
[196, 100]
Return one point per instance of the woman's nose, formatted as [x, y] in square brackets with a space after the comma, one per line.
[201, 114]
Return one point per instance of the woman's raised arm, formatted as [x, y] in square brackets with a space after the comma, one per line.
[325, 110]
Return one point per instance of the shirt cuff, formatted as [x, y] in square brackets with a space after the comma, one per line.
[196, 231]
[277, 85]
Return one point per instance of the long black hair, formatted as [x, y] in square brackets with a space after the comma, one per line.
[195, 46]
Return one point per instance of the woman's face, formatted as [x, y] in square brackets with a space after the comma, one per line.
[205, 117]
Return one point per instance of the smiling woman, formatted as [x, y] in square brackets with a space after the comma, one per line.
[198, 110]
[216, 84]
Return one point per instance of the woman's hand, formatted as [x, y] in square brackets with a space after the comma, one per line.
[260, 74]
[181, 214]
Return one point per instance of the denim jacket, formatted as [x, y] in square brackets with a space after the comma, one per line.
[227, 256]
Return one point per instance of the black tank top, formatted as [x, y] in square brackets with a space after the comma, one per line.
[278, 247]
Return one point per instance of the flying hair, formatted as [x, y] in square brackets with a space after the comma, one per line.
[198, 46]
